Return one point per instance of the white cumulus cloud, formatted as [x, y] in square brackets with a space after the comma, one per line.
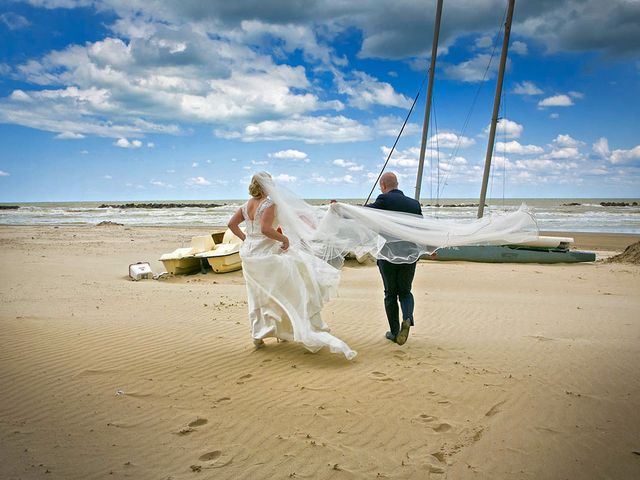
[351, 166]
[283, 177]
[390, 125]
[450, 140]
[564, 140]
[527, 88]
[124, 143]
[556, 101]
[601, 147]
[473, 70]
[313, 130]
[507, 128]
[290, 154]
[201, 181]
[621, 157]
[364, 91]
[13, 21]
[517, 148]
[69, 136]
[519, 47]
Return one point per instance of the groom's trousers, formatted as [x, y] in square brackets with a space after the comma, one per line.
[397, 279]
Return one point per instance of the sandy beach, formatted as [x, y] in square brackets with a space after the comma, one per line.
[512, 371]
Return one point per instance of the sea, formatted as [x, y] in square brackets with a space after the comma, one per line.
[552, 214]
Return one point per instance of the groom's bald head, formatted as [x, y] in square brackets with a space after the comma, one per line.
[388, 181]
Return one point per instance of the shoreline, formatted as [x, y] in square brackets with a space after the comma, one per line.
[597, 240]
[601, 241]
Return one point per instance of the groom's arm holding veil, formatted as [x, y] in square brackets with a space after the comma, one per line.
[380, 202]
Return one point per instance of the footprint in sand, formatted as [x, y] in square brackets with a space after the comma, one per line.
[198, 422]
[210, 456]
[423, 417]
[381, 376]
[440, 456]
[401, 356]
[495, 409]
[434, 469]
[190, 428]
[441, 428]
[223, 458]
[540, 338]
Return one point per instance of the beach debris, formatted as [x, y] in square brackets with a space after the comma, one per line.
[196, 468]
[140, 271]
[631, 254]
[109, 223]
[119, 392]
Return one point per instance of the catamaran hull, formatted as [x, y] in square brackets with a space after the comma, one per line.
[225, 263]
[181, 266]
[510, 254]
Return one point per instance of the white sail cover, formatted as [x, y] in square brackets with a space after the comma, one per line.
[394, 236]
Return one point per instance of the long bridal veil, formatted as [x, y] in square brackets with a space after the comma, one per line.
[394, 236]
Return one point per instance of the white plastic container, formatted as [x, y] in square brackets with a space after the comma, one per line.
[140, 271]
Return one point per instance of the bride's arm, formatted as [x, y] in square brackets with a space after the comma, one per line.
[234, 223]
[266, 226]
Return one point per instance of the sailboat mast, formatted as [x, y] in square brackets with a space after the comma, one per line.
[496, 108]
[425, 125]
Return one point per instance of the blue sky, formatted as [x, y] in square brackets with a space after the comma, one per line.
[157, 99]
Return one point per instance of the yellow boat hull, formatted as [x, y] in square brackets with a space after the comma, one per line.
[225, 263]
[181, 266]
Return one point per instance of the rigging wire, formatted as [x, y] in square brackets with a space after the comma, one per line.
[477, 94]
[503, 116]
[397, 138]
[437, 140]
[504, 148]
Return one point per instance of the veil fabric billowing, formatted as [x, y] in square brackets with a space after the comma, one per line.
[394, 236]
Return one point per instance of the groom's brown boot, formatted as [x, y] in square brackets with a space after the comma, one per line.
[403, 334]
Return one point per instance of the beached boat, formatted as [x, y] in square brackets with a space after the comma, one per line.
[221, 250]
[545, 249]
[225, 256]
[183, 261]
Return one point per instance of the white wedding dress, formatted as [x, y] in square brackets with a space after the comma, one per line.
[287, 290]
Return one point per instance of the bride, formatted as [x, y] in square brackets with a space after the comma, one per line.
[287, 285]
[291, 273]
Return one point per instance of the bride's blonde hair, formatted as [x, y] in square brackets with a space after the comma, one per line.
[255, 189]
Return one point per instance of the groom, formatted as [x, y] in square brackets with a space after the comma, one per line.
[397, 278]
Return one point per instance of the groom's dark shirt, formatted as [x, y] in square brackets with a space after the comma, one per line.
[397, 201]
